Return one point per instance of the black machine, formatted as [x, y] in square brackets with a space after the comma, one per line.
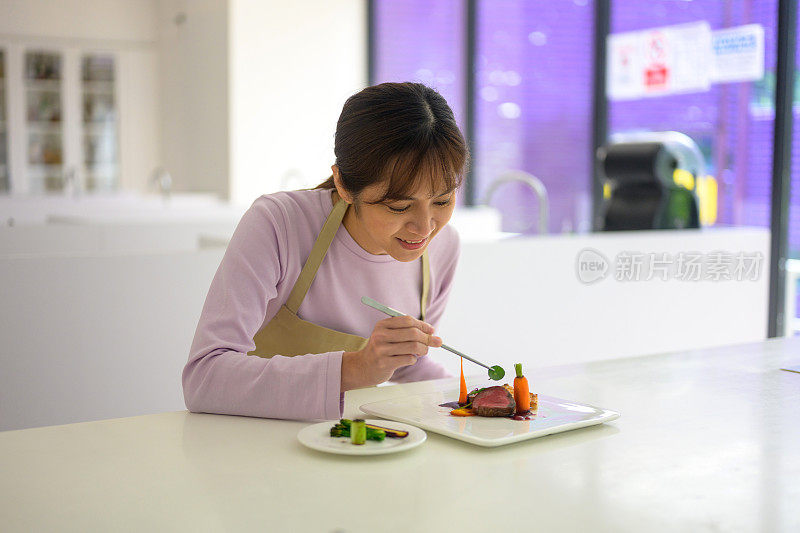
[644, 194]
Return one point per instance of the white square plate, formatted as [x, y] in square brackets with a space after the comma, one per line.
[554, 416]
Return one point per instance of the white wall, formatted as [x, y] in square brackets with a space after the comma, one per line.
[112, 20]
[292, 66]
[250, 107]
[140, 136]
[193, 51]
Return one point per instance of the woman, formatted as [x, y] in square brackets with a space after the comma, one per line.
[289, 288]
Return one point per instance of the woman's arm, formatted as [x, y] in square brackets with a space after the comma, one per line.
[219, 376]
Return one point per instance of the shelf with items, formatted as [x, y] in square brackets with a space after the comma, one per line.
[98, 87]
[98, 108]
[92, 130]
[43, 89]
[45, 177]
[101, 168]
[42, 66]
[44, 127]
[43, 107]
[43, 85]
[99, 122]
[39, 170]
[97, 68]
[100, 148]
[105, 180]
[100, 126]
[45, 149]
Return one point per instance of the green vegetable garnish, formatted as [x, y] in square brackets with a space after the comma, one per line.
[358, 431]
[343, 429]
[496, 373]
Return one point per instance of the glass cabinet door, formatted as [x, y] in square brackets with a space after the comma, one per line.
[4, 173]
[43, 88]
[100, 146]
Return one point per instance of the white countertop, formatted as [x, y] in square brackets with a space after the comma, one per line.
[708, 440]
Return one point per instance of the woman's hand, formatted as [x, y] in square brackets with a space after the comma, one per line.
[395, 342]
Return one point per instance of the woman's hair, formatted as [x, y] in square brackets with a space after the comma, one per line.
[400, 133]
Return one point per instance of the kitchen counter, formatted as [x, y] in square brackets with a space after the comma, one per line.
[708, 440]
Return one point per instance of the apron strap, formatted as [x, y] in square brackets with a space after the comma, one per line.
[316, 256]
[320, 249]
[426, 282]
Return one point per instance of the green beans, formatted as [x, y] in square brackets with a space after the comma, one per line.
[349, 428]
[358, 431]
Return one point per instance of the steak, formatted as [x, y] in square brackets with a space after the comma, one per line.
[494, 401]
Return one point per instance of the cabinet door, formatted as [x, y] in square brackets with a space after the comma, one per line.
[43, 81]
[5, 184]
[100, 122]
[60, 125]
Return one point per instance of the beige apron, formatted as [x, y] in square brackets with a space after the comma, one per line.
[288, 334]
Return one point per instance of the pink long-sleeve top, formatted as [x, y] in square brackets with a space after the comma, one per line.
[260, 266]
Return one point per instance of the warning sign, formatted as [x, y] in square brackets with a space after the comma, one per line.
[659, 61]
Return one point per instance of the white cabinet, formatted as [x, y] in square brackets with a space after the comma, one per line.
[62, 125]
[100, 122]
[77, 115]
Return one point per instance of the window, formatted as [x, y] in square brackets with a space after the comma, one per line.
[732, 122]
[534, 74]
[422, 41]
[531, 113]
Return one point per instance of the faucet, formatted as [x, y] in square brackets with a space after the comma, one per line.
[163, 181]
[534, 183]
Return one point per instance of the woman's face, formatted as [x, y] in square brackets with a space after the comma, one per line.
[400, 228]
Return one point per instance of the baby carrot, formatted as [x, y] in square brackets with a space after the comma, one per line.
[462, 396]
[522, 395]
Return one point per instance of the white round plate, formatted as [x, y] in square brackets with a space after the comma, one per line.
[318, 437]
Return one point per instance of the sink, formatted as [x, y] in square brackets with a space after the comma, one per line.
[478, 223]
